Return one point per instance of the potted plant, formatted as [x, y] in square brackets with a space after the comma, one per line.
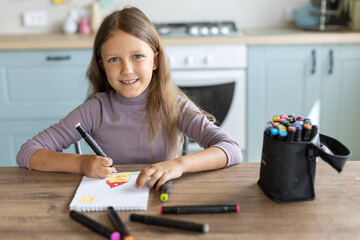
[350, 8]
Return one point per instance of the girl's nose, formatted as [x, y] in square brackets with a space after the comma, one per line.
[126, 69]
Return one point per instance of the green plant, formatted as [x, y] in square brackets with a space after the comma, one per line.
[345, 6]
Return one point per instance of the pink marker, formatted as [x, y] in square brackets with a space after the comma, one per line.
[95, 226]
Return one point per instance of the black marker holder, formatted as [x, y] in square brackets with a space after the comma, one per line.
[287, 172]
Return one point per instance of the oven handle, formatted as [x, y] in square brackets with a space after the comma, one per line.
[206, 78]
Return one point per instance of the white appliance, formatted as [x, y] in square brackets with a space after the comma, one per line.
[215, 75]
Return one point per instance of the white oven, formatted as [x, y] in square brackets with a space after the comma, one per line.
[215, 77]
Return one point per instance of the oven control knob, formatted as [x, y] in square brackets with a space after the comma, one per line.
[214, 30]
[204, 31]
[208, 60]
[194, 31]
[189, 60]
[225, 30]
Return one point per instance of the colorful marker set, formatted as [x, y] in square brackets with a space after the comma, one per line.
[290, 128]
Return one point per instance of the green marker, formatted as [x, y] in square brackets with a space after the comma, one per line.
[165, 189]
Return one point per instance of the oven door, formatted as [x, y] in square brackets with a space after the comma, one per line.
[221, 93]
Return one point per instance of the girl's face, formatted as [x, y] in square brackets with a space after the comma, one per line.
[128, 63]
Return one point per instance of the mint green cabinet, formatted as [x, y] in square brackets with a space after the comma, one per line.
[340, 111]
[37, 89]
[318, 81]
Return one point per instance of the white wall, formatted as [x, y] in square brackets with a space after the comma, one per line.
[247, 14]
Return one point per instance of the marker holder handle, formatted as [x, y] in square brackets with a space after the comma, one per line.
[287, 172]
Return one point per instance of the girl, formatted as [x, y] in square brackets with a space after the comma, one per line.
[134, 111]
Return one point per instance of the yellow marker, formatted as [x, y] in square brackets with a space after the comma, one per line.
[280, 126]
[57, 1]
[165, 189]
[276, 118]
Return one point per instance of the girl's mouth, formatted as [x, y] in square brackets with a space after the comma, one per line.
[128, 82]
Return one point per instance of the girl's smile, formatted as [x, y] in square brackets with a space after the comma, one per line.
[128, 63]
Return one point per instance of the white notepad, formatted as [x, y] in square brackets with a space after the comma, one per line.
[118, 191]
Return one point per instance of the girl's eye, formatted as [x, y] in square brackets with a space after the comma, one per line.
[114, 59]
[137, 56]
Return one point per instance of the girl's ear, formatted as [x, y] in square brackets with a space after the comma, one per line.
[156, 61]
[100, 61]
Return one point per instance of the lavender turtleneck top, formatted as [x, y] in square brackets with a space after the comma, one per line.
[117, 125]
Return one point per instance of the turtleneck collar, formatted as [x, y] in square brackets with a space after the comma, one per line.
[141, 99]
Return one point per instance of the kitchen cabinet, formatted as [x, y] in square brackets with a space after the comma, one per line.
[340, 111]
[37, 89]
[318, 81]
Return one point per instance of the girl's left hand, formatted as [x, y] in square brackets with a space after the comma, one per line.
[159, 173]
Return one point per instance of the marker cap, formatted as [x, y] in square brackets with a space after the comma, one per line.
[206, 228]
[164, 197]
[128, 238]
[115, 236]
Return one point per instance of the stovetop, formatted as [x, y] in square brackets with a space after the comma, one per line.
[197, 29]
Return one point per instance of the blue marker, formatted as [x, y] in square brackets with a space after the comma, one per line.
[298, 134]
[282, 134]
[274, 132]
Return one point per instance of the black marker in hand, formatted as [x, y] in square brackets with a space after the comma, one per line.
[88, 138]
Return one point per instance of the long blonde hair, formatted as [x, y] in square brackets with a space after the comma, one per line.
[162, 106]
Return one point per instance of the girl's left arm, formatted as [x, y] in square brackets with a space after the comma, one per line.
[208, 159]
[220, 150]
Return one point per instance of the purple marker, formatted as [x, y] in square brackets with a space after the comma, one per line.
[300, 118]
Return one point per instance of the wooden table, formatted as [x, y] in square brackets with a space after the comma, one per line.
[34, 205]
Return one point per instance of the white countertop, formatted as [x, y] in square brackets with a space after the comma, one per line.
[267, 37]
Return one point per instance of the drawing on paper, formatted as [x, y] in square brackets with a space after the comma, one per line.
[86, 199]
[117, 179]
[117, 190]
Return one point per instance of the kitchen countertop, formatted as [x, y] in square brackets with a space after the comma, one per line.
[266, 37]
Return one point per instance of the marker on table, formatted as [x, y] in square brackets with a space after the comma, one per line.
[171, 223]
[199, 209]
[95, 226]
[119, 225]
[165, 189]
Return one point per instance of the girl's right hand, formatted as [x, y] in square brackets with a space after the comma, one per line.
[96, 166]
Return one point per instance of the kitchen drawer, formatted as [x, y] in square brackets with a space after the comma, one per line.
[31, 86]
[45, 57]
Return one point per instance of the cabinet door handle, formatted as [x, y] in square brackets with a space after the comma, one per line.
[331, 61]
[58, 58]
[313, 64]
